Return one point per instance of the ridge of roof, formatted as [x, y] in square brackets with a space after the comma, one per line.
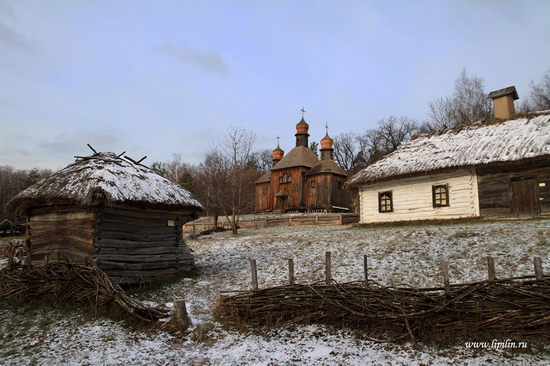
[465, 146]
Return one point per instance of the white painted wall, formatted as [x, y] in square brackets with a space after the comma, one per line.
[412, 198]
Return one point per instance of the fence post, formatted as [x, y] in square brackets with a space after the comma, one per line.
[538, 268]
[254, 274]
[446, 282]
[180, 315]
[291, 271]
[328, 276]
[491, 268]
[365, 270]
[194, 232]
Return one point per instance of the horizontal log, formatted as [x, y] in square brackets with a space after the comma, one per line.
[144, 274]
[63, 232]
[59, 255]
[141, 258]
[134, 221]
[49, 225]
[101, 243]
[151, 237]
[68, 216]
[36, 211]
[129, 228]
[125, 210]
[112, 265]
[137, 251]
[71, 245]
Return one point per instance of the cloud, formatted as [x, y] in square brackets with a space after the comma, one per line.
[209, 61]
[10, 36]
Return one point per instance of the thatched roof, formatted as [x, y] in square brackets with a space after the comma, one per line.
[116, 179]
[480, 144]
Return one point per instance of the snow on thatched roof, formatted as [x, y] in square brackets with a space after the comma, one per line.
[467, 146]
[118, 180]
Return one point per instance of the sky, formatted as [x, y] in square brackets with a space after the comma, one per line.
[157, 78]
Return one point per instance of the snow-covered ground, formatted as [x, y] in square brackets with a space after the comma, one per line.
[405, 254]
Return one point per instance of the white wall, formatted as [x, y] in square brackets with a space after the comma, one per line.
[412, 198]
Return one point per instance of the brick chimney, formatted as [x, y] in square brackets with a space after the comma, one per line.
[503, 102]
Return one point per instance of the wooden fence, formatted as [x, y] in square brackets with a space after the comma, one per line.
[509, 307]
[197, 226]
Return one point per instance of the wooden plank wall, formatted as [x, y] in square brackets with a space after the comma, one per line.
[495, 189]
[141, 247]
[61, 235]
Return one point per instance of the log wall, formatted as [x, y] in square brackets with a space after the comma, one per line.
[136, 247]
[131, 246]
[496, 197]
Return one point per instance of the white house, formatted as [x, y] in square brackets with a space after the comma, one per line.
[493, 169]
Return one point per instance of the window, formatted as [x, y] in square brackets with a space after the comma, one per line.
[285, 178]
[440, 195]
[312, 184]
[264, 190]
[385, 203]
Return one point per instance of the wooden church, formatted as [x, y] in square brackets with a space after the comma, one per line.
[301, 182]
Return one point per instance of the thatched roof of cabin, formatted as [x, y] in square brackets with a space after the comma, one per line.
[118, 180]
[480, 144]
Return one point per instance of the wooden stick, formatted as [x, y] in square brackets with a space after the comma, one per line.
[328, 275]
[291, 271]
[254, 274]
[446, 282]
[365, 270]
[491, 268]
[538, 268]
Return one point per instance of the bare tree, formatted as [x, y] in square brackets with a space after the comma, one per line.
[392, 132]
[467, 105]
[262, 160]
[345, 151]
[228, 178]
[539, 97]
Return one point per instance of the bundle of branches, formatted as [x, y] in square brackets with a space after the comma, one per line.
[14, 252]
[70, 282]
[482, 309]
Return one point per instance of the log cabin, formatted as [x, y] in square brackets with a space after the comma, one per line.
[499, 168]
[112, 212]
[300, 181]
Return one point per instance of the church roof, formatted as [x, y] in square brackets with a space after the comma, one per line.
[265, 178]
[326, 166]
[298, 156]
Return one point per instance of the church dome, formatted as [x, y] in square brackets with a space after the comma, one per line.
[278, 153]
[326, 142]
[302, 127]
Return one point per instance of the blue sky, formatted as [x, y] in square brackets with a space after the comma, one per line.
[162, 77]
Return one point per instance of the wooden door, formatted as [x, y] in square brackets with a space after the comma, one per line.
[524, 198]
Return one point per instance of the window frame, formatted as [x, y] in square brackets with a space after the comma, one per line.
[389, 194]
[437, 196]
